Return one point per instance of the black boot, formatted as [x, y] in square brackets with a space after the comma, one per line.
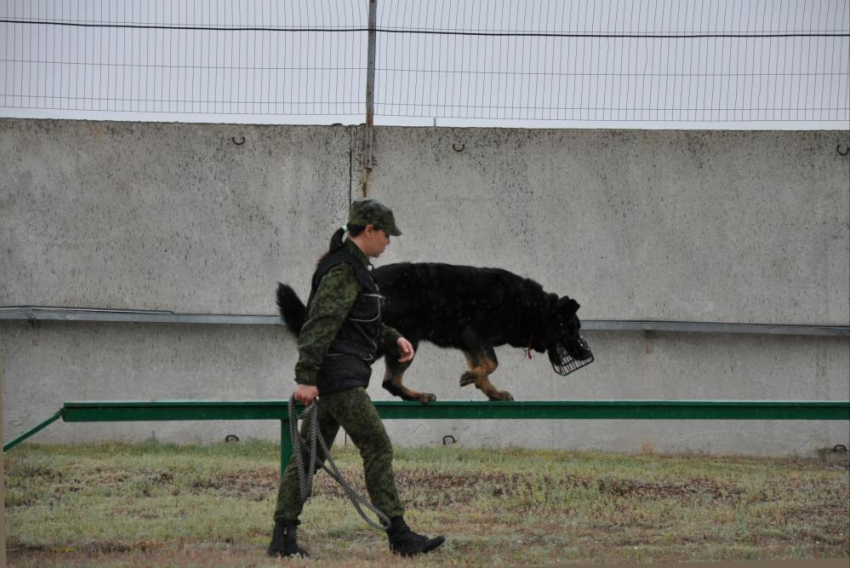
[285, 540]
[405, 542]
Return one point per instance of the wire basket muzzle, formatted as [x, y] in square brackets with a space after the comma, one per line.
[563, 363]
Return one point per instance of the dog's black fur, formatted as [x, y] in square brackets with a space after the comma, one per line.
[466, 308]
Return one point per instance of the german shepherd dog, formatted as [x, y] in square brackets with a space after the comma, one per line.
[466, 308]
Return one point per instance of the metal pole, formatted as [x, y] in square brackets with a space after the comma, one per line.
[2, 467]
[39, 313]
[28, 433]
[370, 81]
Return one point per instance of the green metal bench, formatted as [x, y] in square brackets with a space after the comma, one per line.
[139, 411]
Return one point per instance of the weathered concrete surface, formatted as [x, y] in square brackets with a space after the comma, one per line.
[672, 225]
[165, 216]
[705, 226]
[55, 362]
[631, 366]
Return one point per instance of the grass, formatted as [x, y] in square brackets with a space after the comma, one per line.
[153, 504]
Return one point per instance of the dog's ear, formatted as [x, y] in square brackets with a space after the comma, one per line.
[568, 304]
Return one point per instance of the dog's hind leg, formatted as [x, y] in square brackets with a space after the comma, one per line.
[482, 363]
[394, 376]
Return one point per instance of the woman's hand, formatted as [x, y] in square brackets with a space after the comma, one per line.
[405, 349]
[305, 394]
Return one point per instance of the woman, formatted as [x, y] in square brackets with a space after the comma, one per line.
[336, 346]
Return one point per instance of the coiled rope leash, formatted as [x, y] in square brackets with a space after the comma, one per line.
[305, 477]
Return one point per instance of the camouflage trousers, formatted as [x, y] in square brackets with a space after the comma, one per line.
[353, 410]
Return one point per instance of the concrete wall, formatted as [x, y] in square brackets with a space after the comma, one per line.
[677, 225]
[164, 216]
[703, 226]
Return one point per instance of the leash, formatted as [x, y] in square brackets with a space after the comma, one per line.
[305, 476]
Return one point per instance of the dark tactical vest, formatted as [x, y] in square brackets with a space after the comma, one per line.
[348, 362]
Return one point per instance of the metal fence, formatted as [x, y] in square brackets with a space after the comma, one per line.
[552, 60]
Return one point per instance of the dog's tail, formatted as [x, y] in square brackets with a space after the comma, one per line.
[293, 312]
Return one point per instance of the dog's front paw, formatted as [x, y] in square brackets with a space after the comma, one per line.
[501, 395]
[426, 397]
[467, 378]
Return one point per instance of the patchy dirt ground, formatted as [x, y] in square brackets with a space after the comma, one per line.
[211, 506]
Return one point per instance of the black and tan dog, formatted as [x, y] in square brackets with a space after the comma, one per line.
[466, 308]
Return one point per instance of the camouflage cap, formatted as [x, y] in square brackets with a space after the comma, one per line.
[372, 212]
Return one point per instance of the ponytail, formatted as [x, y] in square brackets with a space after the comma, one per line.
[338, 239]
